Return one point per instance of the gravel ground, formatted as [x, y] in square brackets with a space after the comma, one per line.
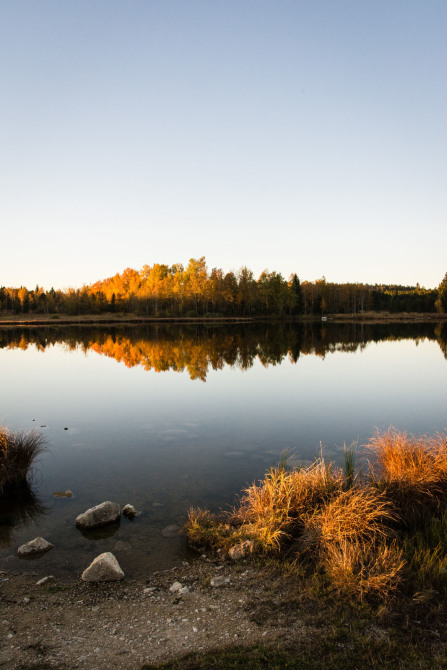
[127, 624]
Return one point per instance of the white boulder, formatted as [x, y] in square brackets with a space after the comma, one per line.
[104, 568]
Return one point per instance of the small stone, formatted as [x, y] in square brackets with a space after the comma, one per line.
[63, 494]
[44, 580]
[100, 515]
[183, 590]
[176, 586]
[149, 590]
[26, 600]
[219, 581]
[37, 546]
[129, 511]
[104, 568]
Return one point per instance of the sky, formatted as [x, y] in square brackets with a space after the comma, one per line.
[304, 136]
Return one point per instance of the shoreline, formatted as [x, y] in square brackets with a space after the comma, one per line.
[259, 617]
[134, 319]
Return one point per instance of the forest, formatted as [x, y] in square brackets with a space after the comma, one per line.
[194, 291]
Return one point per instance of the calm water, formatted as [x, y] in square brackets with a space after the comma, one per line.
[169, 417]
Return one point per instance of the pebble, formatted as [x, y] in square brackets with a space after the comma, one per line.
[44, 580]
[219, 581]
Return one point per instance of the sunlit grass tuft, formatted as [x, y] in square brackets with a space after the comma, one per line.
[412, 470]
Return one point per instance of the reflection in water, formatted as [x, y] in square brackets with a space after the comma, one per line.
[199, 347]
[17, 509]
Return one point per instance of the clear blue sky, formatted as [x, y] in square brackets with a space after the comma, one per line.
[299, 136]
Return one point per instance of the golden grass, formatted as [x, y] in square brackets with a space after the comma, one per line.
[359, 569]
[272, 510]
[412, 470]
[355, 530]
[360, 514]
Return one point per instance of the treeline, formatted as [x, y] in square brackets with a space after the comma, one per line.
[194, 291]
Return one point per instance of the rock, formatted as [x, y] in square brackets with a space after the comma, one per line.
[63, 494]
[129, 510]
[170, 531]
[149, 590]
[122, 545]
[100, 515]
[37, 546]
[104, 568]
[176, 586]
[219, 581]
[241, 550]
[44, 580]
[157, 505]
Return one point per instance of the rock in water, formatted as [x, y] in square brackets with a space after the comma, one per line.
[130, 511]
[170, 531]
[36, 546]
[101, 515]
[104, 568]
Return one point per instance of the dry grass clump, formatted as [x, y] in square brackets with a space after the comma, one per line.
[209, 531]
[17, 453]
[360, 514]
[412, 470]
[350, 538]
[360, 569]
[368, 535]
[272, 511]
[269, 512]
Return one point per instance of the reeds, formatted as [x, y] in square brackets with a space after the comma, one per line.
[361, 532]
[17, 453]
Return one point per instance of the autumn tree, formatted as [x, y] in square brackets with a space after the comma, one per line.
[441, 301]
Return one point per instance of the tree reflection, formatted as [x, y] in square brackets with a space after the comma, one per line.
[17, 508]
[197, 348]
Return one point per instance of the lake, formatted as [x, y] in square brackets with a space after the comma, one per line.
[169, 417]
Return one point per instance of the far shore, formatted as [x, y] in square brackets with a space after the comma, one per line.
[111, 319]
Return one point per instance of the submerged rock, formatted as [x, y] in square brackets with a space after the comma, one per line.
[37, 546]
[171, 530]
[104, 568]
[100, 515]
[63, 494]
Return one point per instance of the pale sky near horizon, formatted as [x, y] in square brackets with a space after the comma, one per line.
[303, 136]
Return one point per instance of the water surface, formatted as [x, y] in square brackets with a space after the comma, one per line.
[171, 417]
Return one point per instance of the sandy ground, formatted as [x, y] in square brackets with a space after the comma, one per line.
[127, 624]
